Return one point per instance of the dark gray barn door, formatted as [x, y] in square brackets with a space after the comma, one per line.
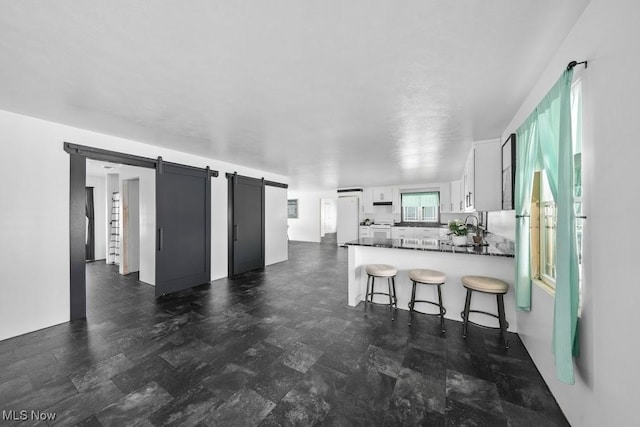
[183, 214]
[246, 224]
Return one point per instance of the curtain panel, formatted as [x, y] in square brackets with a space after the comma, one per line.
[544, 142]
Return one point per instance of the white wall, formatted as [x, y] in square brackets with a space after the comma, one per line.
[40, 236]
[502, 223]
[130, 226]
[34, 266]
[607, 377]
[276, 245]
[112, 186]
[307, 227]
[147, 194]
[146, 219]
[100, 214]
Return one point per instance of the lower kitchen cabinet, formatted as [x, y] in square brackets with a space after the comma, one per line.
[402, 232]
[417, 232]
[426, 233]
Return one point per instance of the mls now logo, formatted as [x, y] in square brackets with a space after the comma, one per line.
[23, 415]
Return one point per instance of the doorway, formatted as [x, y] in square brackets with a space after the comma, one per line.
[78, 156]
[130, 226]
[328, 216]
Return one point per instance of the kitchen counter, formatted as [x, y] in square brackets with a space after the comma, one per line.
[410, 224]
[494, 260]
[492, 245]
[420, 224]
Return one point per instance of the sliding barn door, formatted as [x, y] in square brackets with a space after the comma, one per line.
[246, 224]
[183, 214]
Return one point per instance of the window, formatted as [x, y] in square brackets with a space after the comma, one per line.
[543, 207]
[421, 207]
[548, 218]
[292, 208]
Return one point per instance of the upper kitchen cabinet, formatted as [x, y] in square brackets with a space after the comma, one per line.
[468, 189]
[367, 200]
[445, 197]
[456, 203]
[396, 207]
[481, 180]
[382, 195]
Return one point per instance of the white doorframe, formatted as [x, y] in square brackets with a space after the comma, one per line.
[130, 228]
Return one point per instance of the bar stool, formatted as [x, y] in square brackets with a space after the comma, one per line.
[427, 277]
[487, 285]
[382, 271]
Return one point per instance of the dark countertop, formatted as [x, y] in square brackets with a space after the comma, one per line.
[492, 246]
[413, 224]
[420, 224]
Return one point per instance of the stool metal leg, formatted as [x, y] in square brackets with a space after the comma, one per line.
[467, 304]
[366, 296]
[441, 308]
[395, 297]
[503, 321]
[411, 303]
[390, 297]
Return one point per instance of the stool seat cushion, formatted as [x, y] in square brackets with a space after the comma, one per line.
[424, 275]
[381, 270]
[485, 284]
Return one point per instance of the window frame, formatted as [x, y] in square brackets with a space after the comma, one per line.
[403, 217]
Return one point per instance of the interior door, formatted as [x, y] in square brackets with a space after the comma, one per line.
[183, 215]
[246, 224]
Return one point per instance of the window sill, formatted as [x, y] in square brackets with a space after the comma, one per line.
[545, 287]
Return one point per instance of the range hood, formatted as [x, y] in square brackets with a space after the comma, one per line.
[382, 203]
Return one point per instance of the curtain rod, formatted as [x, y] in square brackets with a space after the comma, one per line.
[574, 63]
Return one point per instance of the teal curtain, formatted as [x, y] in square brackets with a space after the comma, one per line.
[526, 159]
[565, 323]
[544, 141]
[418, 200]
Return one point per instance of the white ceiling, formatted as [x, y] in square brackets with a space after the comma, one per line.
[330, 93]
[101, 169]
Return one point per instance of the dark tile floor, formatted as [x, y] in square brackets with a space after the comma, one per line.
[275, 347]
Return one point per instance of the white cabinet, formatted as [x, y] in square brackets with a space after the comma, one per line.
[365, 231]
[416, 232]
[481, 181]
[382, 195]
[468, 192]
[402, 232]
[456, 202]
[396, 207]
[426, 233]
[420, 233]
[445, 197]
[488, 176]
[367, 200]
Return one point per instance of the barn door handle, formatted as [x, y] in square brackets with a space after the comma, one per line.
[160, 238]
[235, 233]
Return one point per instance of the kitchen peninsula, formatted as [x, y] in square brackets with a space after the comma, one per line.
[495, 258]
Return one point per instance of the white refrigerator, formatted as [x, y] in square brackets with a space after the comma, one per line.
[348, 223]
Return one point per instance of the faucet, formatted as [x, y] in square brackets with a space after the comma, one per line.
[477, 223]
